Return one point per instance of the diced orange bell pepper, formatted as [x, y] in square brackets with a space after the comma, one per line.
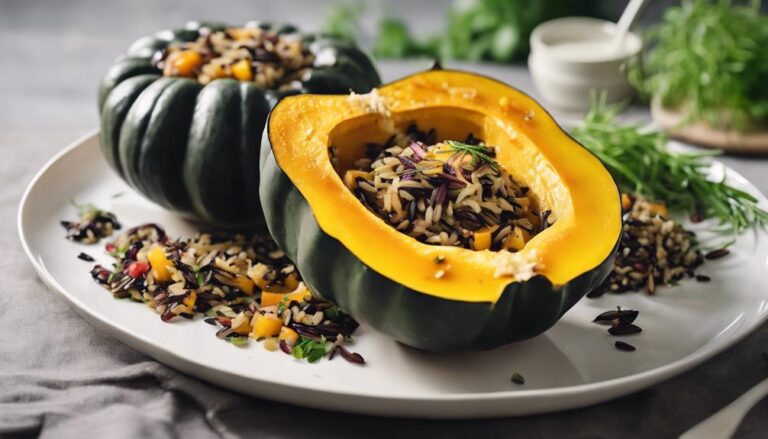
[626, 202]
[482, 240]
[266, 325]
[245, 284]
[242, 70]
[159, 263]
[289, 335]
[517, 239]
[269, 298]
[185, 62]
[241, 325]
[659, 209]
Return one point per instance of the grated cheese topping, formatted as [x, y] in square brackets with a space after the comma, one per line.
[521, 265]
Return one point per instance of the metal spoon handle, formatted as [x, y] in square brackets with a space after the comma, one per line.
[725, 422]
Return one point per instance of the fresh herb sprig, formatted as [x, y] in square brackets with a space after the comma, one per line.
[639, 161]
[478, 153]
[709, 59]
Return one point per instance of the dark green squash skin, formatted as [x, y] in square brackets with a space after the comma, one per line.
[193, 148]
[524, 310]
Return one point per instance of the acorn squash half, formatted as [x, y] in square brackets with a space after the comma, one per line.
[194, 148]
[385, 278]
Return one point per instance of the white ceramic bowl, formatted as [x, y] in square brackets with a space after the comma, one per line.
[571, 56]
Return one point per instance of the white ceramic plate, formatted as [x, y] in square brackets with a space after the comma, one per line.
[572, 365]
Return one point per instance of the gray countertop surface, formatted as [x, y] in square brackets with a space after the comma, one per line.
[53, 54]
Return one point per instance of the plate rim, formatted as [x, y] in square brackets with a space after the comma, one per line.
[592, 393]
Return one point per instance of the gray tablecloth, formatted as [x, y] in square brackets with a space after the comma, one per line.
[59, 377]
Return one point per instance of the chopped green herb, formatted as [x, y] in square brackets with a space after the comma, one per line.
[332, 313]
[283, 303]
[118, 194]
[199, 278]
[518, 379]
[439, 259]
[312, 350]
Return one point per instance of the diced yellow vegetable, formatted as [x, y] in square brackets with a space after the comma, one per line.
[517, 239]
[266, 325]
[269, 298]
[350, 177]
[289, 335]
[190, 300]
[241, 325]
[184, 63]
[482, 240]
[159, 263]
[290, 283]
[626, 202]
[659, 209]
[245, 284]
[242, 70]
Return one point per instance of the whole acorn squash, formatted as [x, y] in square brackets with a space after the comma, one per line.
[386, 279]
[194, 148]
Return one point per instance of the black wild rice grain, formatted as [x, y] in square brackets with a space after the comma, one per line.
[597, 292]
[352, 357]
[517, 379]
[703, 278]
[85, 257]
[210, 270]
[624, 346]
[622, 329]
[622, 316]
[717, 254]
[653, 251]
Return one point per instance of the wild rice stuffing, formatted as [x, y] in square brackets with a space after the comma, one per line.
[653, 251]
[446, 193]
[92, 225]
[248, 54]
[245, 286]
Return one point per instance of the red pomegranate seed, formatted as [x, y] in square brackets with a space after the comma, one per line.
[136, 269]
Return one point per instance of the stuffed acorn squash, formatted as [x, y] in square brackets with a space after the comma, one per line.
[428, 280]
[182, 113]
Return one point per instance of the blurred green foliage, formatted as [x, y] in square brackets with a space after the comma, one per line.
[710, 59]
[487, 30]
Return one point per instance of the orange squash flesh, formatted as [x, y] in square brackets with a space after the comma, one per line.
[563, 176]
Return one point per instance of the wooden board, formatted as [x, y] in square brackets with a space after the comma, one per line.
[754, 141]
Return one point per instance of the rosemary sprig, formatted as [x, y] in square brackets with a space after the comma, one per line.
[479, 153]
[640, 163]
